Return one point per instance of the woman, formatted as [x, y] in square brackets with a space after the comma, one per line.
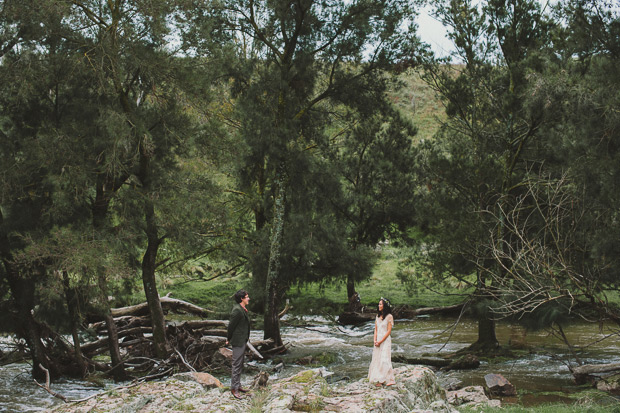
[381, 371]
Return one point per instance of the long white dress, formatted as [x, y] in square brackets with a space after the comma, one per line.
[380, 370]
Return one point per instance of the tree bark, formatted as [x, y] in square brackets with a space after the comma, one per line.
[22, 290]
[105, 188]
[149, 261]
[487, 340]
[166, 302]
[271, 319]
[118, 368]
[150, 287]
[72, 303]
[350, 286]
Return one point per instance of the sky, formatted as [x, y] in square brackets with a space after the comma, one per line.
[431, 31]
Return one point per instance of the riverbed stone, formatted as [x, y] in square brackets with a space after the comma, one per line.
[471, 396]
[498, 385]
[205, 379]
[416, 390]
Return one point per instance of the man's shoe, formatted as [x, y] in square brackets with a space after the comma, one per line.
[242, 390]
[236, 394]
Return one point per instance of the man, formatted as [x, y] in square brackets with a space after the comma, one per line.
[238, 335]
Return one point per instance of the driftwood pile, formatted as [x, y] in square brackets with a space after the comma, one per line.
[193, 345]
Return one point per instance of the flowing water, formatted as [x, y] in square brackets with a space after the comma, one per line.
[534, 374]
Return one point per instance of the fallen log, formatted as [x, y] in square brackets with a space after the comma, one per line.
[466, 362]
[356, 317]
[406, 312]
[433, 362]
[94, 346]
[198, 324]
[596, 368]
[353, 318]
[127, 321]
[586, 373]
[167, 303]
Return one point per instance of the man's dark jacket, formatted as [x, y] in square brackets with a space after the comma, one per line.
[238, 326]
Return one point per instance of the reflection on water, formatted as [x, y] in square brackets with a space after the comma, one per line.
[542, 371]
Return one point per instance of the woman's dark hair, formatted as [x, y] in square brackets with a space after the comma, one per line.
[387, 308]
[240, 295]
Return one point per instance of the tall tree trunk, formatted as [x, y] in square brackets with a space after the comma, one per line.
[487, 340]
[350, 286]
[149, 262]
[271, 319]
[22, 291]
[104, 191]
[72, 304]
[118, 367]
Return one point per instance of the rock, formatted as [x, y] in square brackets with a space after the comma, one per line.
[499, 386]
[472, 396]
[416, 390]
[260, 380]
[207, 380]
[222, 358]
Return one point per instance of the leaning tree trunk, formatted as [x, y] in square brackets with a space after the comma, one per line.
[22, 290]
[105, 189]
[150, 287]
[149, 261]
[118, 367]
[271, 319]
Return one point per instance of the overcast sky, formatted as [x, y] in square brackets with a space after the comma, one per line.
[432, 32]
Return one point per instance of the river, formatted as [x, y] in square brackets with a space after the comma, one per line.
[535, 374]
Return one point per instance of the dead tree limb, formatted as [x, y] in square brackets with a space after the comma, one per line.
[167, 303]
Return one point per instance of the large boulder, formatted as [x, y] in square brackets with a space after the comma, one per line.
[416, 389]
[471, 396]
[499, 386]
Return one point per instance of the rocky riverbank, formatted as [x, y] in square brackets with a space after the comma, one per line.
[416, 390]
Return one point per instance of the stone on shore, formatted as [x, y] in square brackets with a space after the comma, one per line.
[471, 396]
[416, 390]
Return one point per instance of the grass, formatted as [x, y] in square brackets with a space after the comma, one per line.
[545, 408]
[314, 298]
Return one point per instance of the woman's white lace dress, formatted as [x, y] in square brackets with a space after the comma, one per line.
[381, 365]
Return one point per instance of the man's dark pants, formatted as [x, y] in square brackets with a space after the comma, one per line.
[237, 367]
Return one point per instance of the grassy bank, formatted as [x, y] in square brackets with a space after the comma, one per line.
[313, 298]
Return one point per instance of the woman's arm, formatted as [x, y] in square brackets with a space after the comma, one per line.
[374, 340]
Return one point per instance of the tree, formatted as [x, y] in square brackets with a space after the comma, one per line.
[374, 158]
[564, 228]
[478, 161]
[95, 127]
[295, 58]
